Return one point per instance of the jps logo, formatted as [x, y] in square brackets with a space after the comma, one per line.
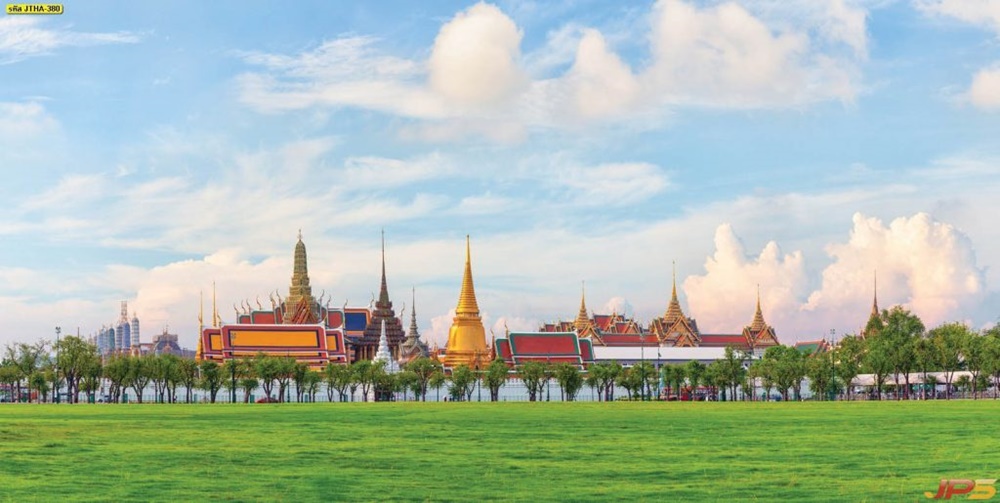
[980, 489]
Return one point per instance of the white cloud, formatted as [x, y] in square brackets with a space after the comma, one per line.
[985, 90]
[476, 83]
[19, 120]
[924, 264]
[476, 57]
[610, 184]
[22, 37]
[723, 299]
[984, 13]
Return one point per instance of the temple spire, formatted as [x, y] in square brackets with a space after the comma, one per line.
[582, 320]
[215, 309]
[467, 304]
[413, 314]
[383, 295]
[758, 323]
[875, 310]
[674, 311]
[299, 305]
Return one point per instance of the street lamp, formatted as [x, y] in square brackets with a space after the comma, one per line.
[833, 366]
[57, 386]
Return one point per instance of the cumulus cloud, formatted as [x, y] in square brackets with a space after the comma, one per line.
[926, 265]
[985, 90]
[475, 58]
[722, 300]
[476, 81]
[23, 37]
[984, 93]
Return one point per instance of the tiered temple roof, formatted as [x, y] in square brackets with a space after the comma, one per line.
[673, 329]
[412, 347]
[366, 345]
[518, 348]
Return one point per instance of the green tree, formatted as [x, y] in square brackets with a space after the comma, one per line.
[902, 329]
[949, 340]
[925, 356]
[495, 378]
[408, 381]
[991, 362]
[570, 380]
[437, 381]
[310, 383]
[39, 383]
[645, 376]
[605, 374]
[975, 353]
[365, 373]
[423, 368]
[90, 378]
[463, 383]
[848, 356]
[116, 371]
[695, 371]
[267, 369]
[819, 370]
[211, 379]
[299, 372]
[877, 361]
[338, 378]
[75, 355]
[188, 377]
[286, 371]
[674, 377]
[172, 372]
[138, 374]
[533, 375]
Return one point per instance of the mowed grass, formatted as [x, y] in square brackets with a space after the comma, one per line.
[865, 451]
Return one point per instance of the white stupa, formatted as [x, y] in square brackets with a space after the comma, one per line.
[384, 355]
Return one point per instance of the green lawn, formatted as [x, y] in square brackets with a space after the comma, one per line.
[888, 451]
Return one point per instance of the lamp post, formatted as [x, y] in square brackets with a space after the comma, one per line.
[642, 360]
[57, 386]
[833, 366]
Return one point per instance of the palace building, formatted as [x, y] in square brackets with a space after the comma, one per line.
[672, 330]
[298, 326]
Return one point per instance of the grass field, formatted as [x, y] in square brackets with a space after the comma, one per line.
[888, 451]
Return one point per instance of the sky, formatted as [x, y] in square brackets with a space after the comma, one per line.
[151, 149]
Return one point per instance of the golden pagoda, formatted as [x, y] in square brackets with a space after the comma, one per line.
[299, 305]
[467, 337]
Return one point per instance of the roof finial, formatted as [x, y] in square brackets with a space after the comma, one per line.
[300, 234]
[875, 295]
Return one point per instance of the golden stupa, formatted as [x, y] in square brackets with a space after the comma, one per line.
[467, 337]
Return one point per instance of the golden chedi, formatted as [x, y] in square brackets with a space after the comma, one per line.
[467, 337]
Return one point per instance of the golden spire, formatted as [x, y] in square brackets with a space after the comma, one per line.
[466, 337]
[674, 311]
[467, 298]
[875, 301]
[582, 320]
[758, 323]
[299, 292]
[201, 311]
[215, 310]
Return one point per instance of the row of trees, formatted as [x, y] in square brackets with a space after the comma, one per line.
[897, 350]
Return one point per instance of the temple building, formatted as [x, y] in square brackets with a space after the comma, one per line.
[875, 322]
[412, 347]
[518, 348]
[299, 326]
[383, 319]
[467, 336]
[672, 330]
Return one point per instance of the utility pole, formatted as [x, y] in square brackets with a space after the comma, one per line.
[57, 386]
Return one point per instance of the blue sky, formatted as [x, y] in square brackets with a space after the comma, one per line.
[151, 148]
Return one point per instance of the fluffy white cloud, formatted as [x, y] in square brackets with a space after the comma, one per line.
[926, 265]
[19, 120]
[979, 12]
[476, 57]
[985, 90]
[22, 37]
[476, 82]
[722, 300]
